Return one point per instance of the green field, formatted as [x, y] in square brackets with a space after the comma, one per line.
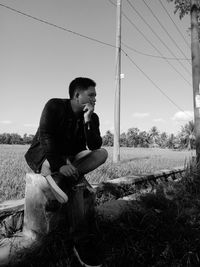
[134, 161]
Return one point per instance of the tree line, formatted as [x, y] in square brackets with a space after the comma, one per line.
[14, 138]
[185, 139]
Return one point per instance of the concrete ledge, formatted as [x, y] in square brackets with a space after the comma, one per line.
[124, 180]
[25, 222]
[13, 207]
[146, 178]
[9, 205]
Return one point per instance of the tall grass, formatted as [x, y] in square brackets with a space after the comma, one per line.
[134, 161]
[139, 161]
[155, 231]
[12, 171]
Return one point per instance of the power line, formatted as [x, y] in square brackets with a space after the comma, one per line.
[160, 90]
[81, 35]
[145, 54]
[133, 62]
[174, 23]
[137, 12]
[156, 49]
[150, 55]
[95, 40]
[162, 56]
[164, 28]
[112, 3]
[56, 26]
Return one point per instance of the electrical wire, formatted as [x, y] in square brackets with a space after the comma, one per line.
[56, 26]
[175, 24]
[96, 40]
[156, 49]
[161, 55]
[150, 55]
[159, 89]
[164, 28]
[154, 56]
[138, 13]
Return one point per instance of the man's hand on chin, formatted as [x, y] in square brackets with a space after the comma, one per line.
[88, 110]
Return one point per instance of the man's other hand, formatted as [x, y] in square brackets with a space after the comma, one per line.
[69, 170]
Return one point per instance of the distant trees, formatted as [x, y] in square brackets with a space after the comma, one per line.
[108, 139]
[27, 139]
[123, 140]
[143, 139]
[132, 137]
[14, 138]
[163, 140]
[185, 139]
[186, 136]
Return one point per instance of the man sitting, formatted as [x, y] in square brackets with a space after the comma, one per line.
[67, 144]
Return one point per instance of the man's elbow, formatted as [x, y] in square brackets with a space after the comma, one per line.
[95, 145]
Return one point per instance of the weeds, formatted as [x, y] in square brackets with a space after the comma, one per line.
[157, 230]
[134, 161]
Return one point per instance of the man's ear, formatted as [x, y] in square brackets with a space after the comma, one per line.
[76, 94]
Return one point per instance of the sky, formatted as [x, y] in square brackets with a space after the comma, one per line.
[38, 61]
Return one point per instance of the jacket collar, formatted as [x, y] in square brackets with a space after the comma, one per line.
[69, 111]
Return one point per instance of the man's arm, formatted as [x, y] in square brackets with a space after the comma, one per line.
[48, 137]
[92, 133]
[48, 127]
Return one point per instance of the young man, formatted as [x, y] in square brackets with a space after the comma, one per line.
[67, 128]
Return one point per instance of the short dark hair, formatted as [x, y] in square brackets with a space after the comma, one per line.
[81, 83]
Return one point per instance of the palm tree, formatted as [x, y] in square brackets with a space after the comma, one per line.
[154, 135]
[187, 134]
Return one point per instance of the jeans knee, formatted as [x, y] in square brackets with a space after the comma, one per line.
[104, 154]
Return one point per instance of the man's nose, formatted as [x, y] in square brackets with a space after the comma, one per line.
[94, 99]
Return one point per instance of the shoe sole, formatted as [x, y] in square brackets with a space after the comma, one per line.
[57, 192]
[81, 262]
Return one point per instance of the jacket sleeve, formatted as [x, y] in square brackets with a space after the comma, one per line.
[48, 126]
[92, 133]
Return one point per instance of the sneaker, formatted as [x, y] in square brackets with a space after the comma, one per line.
[60, 195]
[86, 255]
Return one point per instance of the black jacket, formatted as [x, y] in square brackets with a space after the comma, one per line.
[61, 134]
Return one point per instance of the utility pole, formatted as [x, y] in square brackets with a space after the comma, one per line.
[116, 148]
[196, 74]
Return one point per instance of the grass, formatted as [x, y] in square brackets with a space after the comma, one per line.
[138, 161]
[158, 231]
[134, 161]
[12, 171]
[155, 231]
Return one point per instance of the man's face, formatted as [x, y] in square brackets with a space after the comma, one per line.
[87, 96]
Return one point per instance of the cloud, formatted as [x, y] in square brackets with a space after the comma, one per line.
[140, 115]
[158, 120]
[183, 116]
[6, 122]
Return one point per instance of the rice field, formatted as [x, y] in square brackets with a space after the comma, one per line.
[133, 161]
